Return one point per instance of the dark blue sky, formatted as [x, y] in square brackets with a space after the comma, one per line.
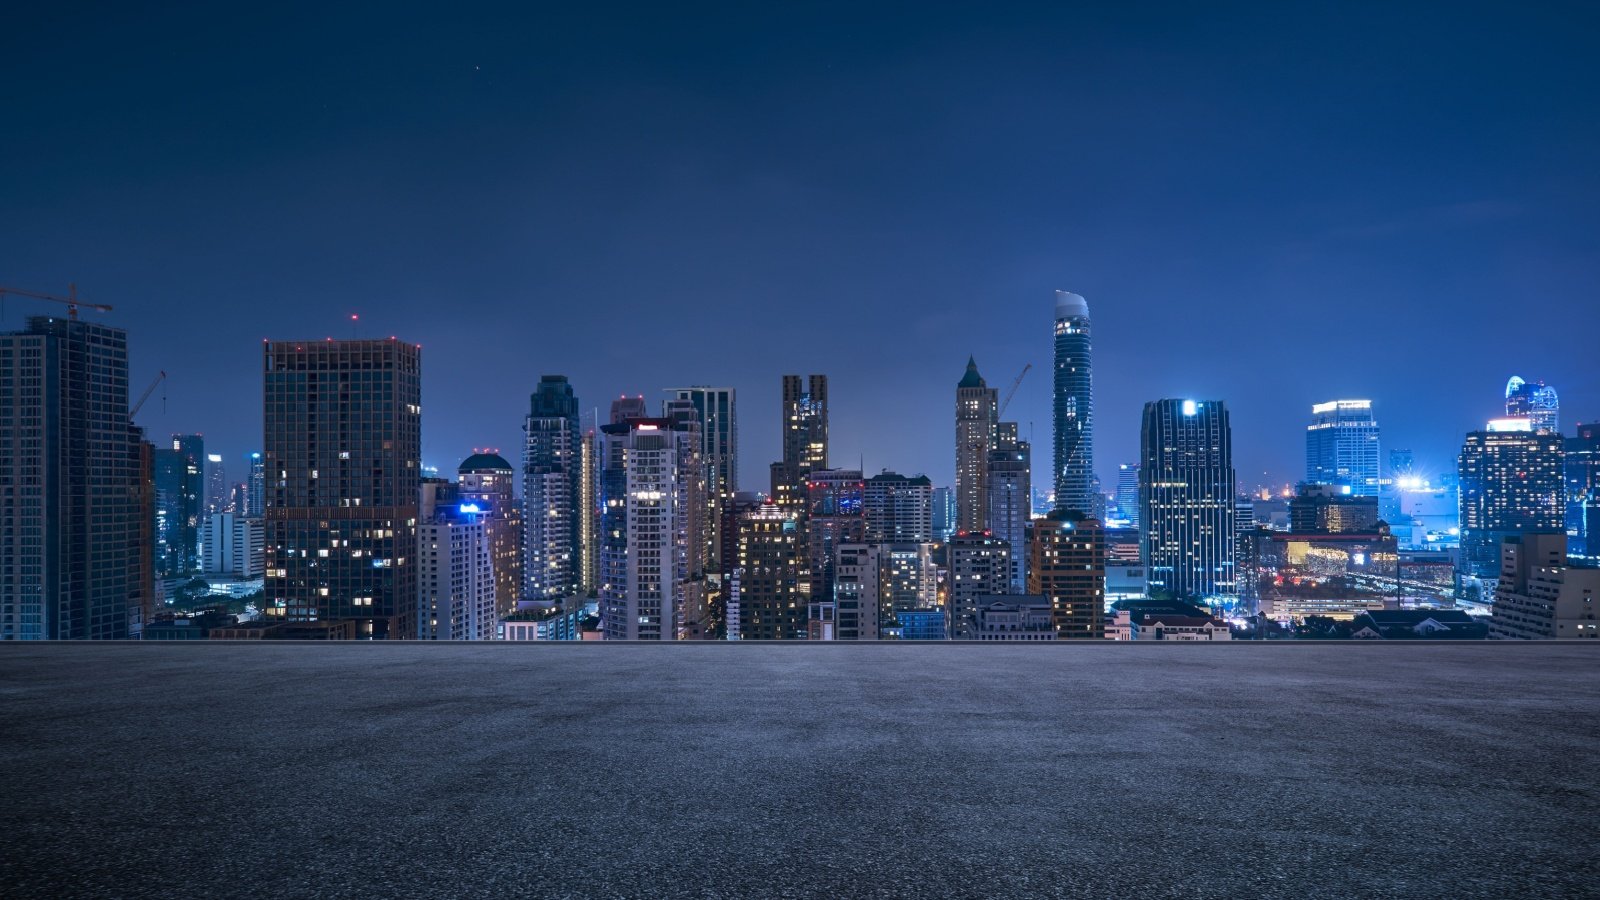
[1272, 205]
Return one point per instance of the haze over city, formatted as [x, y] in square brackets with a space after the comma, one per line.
[1272, 207]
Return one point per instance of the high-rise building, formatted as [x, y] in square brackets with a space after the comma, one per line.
[180, 505]
[855, 593]
[647, 554]
[590, 453]
[343, 428]
[1186, 494]
[255, 503]
[805, 438]
[976, 405]
[216, 485]
[1535, 401]
[233, 545]
[1342, 446]
[944, 513]
[456, 578]
[769, 597]
[550, 488]
[1510, 483]
[1128, 493]
[1074, 405]
[75, 510]
[1582, 467]
[1540, 594]
[486, 485]
[899, 509]
[834, 516]
[1010, 481]
[1067, 563]
[694, 519]
[717, 409]
[980, 565]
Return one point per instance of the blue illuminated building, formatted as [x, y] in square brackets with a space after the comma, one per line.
[921, 624]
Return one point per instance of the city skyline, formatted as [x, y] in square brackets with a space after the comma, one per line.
[550, 200]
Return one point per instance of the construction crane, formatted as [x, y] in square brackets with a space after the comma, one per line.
[139, 404]
[71, 300]
[1012, 391]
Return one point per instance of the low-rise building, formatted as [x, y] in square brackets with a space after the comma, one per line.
[1013, 617]
[1415, 624]
[544, 620]
[1164, 620]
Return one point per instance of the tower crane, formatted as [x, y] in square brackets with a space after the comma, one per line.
[71, 300]
[1012, 391]
[139, 404]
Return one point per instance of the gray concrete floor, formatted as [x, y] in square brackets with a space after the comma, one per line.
[745, 770]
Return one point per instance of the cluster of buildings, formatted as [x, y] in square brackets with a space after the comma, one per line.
[635, 524]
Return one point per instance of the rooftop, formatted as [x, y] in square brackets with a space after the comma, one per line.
[732, 770]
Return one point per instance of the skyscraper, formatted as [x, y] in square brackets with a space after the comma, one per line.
[647, 554]
[1009, 485]
[1510, 483]
[805, 438]
[550, 487]
[976, 405]
[589, 508]
[343, 429]
[486, 481]
[1186, 494]
[256, 488]
[180, 505]
[74, 511]
[1535, 401]
[770, 593]
[216, 485]
[1582, 466]
[1074, 405]
[717, 411]
[1067, 564]
[944, 513]
[834, 516]
[898, 508]
[456, 567]
[1342, 446]
[1128, 493]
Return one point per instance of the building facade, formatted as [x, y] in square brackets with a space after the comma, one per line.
[1074, 405]
[976, 405]
[1067, 564]
[1581, 465]
[1010, 483]
[1541, 594]
[487, 482]
[233, 545]
[1342, 446]
[647, 554]
[1535, 401]
[980, 566]
[343, 429]
[769, 595]
[898, 508]
[805, 438]
[550, 486]
[75, 512]
[1186, 499]
[1511, 482]
[455, 558]
[180, 505]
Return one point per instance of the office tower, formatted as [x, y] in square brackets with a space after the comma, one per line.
[834, 516]
[1010, 481]
[73, 504]
[550, 489]
[1128, 493]
[486, 481]
[216, 485]
[647, 555]
[944, 513]
[980, 565]
[1186, 494]
[180, 505]
[976, 405]
[769, 596]
[589, 509]
[343, 427]
[455, 559]
[256, 487]
[855, 593]
[805, 438]
[1536, 402]
[1582, 468]
[1541, 594]
[1510, 483]
[1327, 509]
[719, 434]
[1074, 405]
[695, 518]
[1067, 564]
[1342, 446]
[898, 509]
[234, 545]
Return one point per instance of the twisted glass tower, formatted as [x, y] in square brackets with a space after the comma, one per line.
[1074, 406]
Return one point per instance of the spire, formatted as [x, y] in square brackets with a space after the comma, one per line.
[972, 378]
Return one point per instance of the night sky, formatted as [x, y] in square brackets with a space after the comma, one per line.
[1272, 206]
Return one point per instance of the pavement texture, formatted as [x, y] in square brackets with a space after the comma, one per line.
[370, 770]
